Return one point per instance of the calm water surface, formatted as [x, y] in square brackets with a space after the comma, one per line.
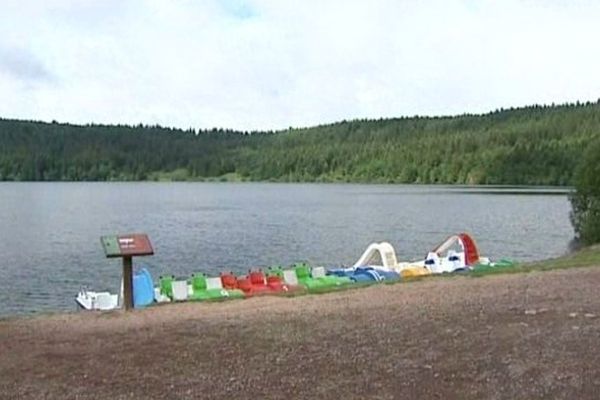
[49, 232]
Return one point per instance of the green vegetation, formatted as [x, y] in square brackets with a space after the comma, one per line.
[586, 257]
[585, 202]
[537, 145]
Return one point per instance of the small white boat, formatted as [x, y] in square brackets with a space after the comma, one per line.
[456, 253]
[143, 294]
[103, 301]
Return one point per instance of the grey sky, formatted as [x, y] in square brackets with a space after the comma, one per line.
[22, 65]
[272, 64]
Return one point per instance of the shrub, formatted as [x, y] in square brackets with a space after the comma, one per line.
[585, 200]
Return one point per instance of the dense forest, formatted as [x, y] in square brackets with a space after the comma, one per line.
[538, 145]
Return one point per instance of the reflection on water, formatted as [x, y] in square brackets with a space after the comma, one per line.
[49, 232]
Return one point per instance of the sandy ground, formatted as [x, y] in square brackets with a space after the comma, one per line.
[522, 336]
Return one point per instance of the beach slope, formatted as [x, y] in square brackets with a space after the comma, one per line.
[515, 336]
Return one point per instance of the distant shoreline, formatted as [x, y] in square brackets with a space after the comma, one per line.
[443, 187]
[457, 186]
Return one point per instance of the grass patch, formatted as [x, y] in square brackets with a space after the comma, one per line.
[587, 257]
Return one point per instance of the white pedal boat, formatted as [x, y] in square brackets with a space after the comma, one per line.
[89, 300]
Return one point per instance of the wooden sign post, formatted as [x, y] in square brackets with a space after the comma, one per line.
[126, 247]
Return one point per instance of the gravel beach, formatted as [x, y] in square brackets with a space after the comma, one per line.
[518, 336]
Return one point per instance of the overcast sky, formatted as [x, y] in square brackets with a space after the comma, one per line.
[269, 64]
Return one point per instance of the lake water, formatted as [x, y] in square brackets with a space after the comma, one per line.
[49, 232]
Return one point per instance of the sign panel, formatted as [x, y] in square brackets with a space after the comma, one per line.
[136, 244]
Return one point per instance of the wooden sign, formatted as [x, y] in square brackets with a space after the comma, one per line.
[126, 247]
[136, 244]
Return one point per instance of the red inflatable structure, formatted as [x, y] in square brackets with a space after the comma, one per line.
[467, 245]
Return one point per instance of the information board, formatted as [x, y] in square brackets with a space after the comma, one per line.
[136, 244]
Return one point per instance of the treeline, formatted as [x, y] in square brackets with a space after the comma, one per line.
[537, 145]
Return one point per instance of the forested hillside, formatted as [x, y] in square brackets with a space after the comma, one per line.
[532, 145]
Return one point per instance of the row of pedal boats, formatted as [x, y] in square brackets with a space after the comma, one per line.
[378, 264]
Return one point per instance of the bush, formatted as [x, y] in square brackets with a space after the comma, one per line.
[585, 201]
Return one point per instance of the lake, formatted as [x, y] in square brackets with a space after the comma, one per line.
[50, 247]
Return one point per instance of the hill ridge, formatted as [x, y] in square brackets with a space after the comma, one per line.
[533, 145]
